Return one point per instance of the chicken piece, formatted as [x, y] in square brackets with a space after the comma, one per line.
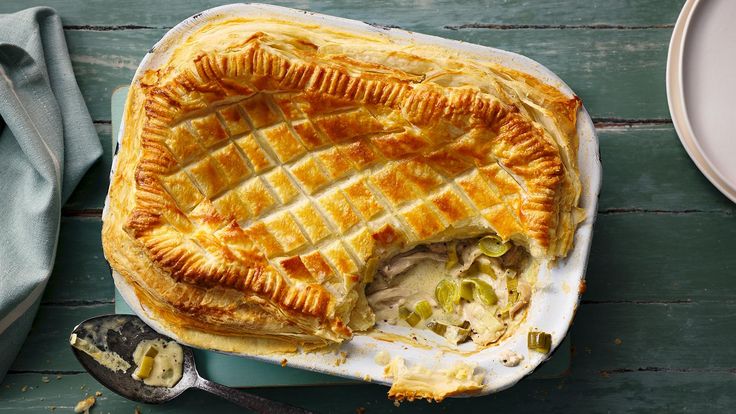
[401, 264]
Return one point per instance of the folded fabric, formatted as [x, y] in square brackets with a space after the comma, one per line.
[47, 143]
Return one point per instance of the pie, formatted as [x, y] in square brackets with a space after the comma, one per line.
[270, 170]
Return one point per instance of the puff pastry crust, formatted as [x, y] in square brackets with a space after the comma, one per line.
[268, 166]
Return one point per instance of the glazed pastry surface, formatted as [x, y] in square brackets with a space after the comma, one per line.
[268, 167]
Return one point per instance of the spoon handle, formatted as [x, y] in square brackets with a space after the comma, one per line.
[253, 402]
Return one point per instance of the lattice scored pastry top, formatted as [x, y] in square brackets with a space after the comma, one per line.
[269, 166]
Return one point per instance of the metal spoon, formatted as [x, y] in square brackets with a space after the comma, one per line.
[121, 334]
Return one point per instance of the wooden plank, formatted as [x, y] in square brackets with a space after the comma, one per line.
[617, 73]
[80, 273]
[47, 345]
[91, 191]
[628, 392]
[622, 393]
[606, 337]
[102, 61]
[662, 257]
[647, 168]
[410, 15]
[684, 336]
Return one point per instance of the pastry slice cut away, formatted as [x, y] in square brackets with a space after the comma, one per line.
[269, 168]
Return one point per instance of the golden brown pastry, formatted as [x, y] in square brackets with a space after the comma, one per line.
[268, 167]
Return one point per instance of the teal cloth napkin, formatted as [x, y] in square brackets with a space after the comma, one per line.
[47, 143]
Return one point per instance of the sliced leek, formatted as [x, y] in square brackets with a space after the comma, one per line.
[447, 294]
[539, 341]
[454, 334]
[473, 270]
[436, 327]
[457, 334]
[145, 367]
[151, 352]
[493, 246]
[512, 284]
[451, 255]
[481, 290]
[404, 312]
[413, 319]
[513, 298]
[466, 290]
[484, 265]
[423, 308]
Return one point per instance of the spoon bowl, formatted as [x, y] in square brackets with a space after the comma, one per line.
[121, 334]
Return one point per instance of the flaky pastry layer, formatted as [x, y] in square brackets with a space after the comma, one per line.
[268, 166]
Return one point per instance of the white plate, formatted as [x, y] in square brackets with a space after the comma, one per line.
[553, 305]
[701, 88]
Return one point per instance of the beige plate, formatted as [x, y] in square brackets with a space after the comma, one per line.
[701, 86]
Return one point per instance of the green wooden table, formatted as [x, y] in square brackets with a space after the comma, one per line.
[656, 328]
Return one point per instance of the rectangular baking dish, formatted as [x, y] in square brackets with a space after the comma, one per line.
[555, 298]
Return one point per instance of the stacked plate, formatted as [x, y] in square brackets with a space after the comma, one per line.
[701, 88]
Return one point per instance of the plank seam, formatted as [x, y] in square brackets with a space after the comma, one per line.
[494, 26]
[637, 302]
[619, 122]
[634, 210]
[110, 28]
[86, 212]
[45, 372]
[83, 305]
[73, 303]
[608, 372]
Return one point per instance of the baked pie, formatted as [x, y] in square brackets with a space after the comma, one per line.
[272, 172]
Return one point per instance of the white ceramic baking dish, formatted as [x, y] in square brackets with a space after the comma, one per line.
[557, 295]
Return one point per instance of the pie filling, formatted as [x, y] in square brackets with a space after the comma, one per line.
[475, 289]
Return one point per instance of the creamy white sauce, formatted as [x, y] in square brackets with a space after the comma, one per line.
[107, 359]
[417, 283]
[387, 294]
[510, 358]
[167, 364]
[486, 328]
